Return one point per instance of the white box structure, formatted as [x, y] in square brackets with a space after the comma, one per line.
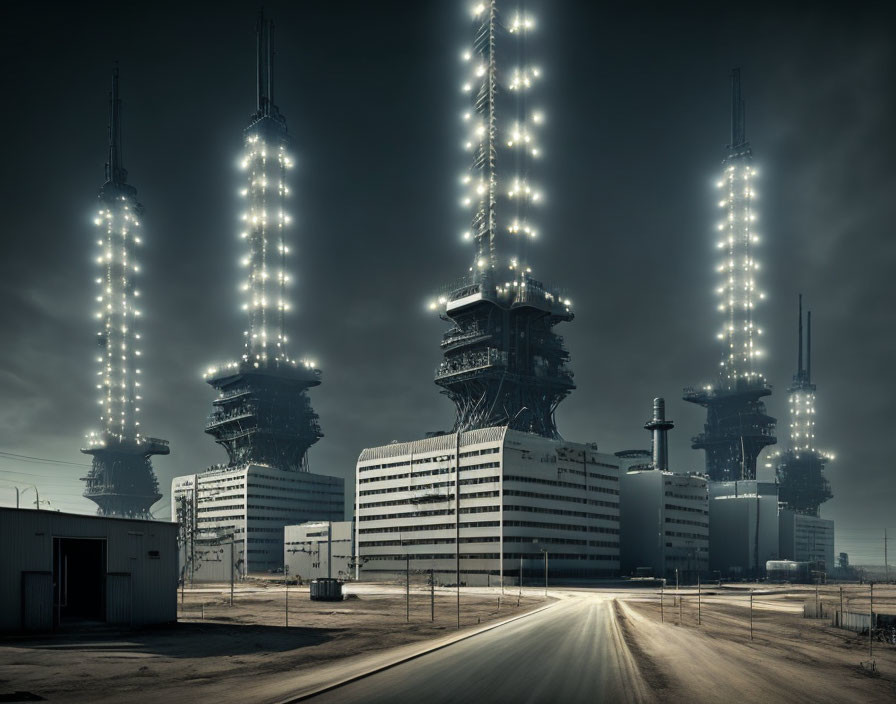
[664, 524]
[803, 538]
[503, 497]
[319, 549]
[252, 503]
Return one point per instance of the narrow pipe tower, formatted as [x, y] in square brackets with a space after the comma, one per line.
[262, 414]
[121, 480]
[659, 428]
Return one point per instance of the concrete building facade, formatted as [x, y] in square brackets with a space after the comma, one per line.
[803, 538]
[743, 527]
[66, 570]
[319, 549]
[499, 498]
[664, 522]
[252, 503]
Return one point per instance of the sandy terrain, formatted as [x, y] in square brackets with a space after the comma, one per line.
[248, 639]
[789, 659]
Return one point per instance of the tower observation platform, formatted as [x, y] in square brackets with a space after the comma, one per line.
[503, 362]
[737, 426]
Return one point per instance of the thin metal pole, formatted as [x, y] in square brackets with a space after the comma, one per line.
[407, 588]
[545, 574]
[751, 614]
[432, 594]
[17, 496]
[679, 610]
[662, 600]
[231, 570]
[817, 615]
[520, 593]
[698, 599]
[886, 562]
[840, 619]
[871, 624]
[286, 583]
[457, 520]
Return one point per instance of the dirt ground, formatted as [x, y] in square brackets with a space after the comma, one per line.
[789, 658]
[213, 640]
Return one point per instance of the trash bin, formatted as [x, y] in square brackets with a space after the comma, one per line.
[326, 589]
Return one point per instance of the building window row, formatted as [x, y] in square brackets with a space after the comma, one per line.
[431, 526]
[413, 500]
[693, 536]
[562, 512]
[690, 509]
[552, 482]
[561, 526]
[555, 497]
[683, 522]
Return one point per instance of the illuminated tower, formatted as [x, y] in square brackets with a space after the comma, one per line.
[801, 486]
[121, 480]
[737, 426]
[262, 414]
[503, 364]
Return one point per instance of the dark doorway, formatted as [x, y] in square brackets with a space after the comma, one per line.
[79, 580]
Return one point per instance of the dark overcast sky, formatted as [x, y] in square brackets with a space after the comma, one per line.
[637, 100]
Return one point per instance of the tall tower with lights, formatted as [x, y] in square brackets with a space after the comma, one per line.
[262, 414]
[121, 480]
[737, 427]
[801, 486]
[503, 363]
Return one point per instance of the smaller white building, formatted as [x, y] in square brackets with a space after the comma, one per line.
[664, 524]
[319, 549]
[804, 538]
[743, 527]
[249, 504]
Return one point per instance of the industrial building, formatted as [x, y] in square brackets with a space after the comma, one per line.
[121, 480]
[250, 504]
[737, 426]
[664, 517]
[262, 415]
[743, 527]
[68, 570]
[493, 504]
[804, 538]
[319, 549]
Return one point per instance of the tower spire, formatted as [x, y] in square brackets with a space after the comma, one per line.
[264, 34]
[738, 115]
[115, 172]
[809, 347]
[799, 356]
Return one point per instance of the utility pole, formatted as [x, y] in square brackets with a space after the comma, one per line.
[840, 619]
[751, 614]
[545, 574]
[286, 584]
[698, 599]
[520, 593]
[231, 569]
[871, 624]
[662, 601]
[329, 549]
[407, 587]
[886, 563]
[457, 519]
[679, 610]
[432, 595]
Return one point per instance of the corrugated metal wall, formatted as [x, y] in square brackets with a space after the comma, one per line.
[145, 550]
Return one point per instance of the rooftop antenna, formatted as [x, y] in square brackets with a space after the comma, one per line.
[265, 63]
[115, 173]
[809, 347]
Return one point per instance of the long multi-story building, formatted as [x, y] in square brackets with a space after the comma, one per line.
[121, 480]
[262, 416]
[737, 426]
[491, 505]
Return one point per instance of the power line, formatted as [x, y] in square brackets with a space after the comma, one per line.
[44, 460]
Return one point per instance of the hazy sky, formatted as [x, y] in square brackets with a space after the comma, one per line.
[637, 101]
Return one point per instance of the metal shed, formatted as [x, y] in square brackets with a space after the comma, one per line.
[64, 570]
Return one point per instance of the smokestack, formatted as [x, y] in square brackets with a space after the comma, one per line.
[660, 428]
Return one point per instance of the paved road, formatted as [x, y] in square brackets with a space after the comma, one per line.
[573, 652]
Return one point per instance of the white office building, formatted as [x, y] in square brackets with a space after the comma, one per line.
[743, 527]
[252, 503]
[664, 519]
[804, 538]
[499, 498]
[319, 549]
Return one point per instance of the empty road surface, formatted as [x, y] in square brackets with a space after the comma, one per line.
[572, 652]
